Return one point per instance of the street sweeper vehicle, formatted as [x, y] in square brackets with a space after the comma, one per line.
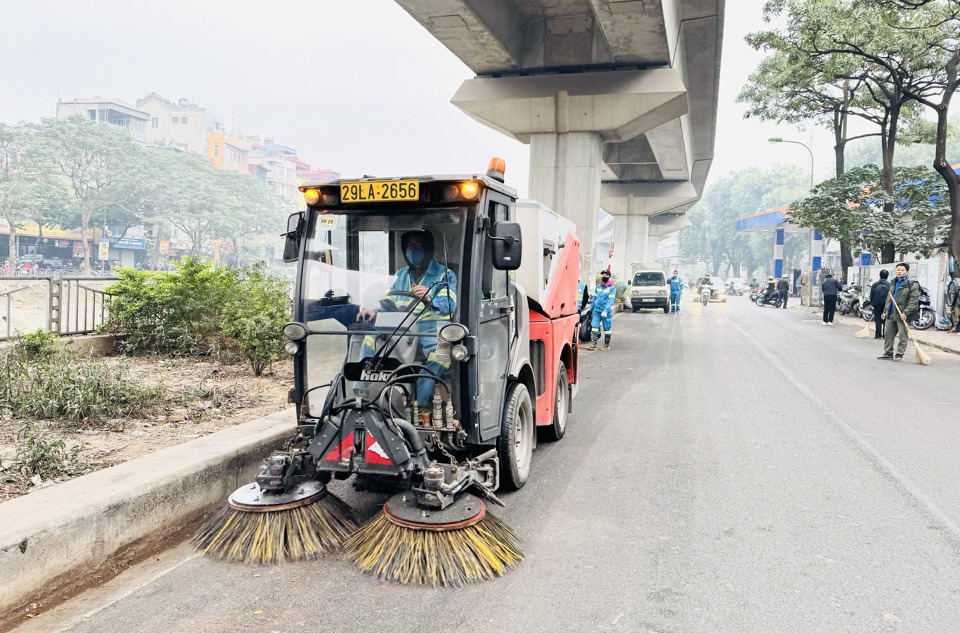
[434, 339]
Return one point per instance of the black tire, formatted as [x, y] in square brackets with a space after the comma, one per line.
[867, 313]
[635, 308]
[666, 309]
[515, 447]
[561, 407]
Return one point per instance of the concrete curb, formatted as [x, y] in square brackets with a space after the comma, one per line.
[55, 540]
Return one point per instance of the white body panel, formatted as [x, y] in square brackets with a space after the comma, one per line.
[543, 231]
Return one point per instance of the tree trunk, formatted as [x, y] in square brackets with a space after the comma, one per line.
[942, 165]
[85, 239]
[888, 139]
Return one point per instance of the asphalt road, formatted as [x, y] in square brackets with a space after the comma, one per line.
[731, 469]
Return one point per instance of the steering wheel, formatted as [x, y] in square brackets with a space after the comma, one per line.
[389, 304]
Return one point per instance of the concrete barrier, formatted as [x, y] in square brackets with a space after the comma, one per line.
[56, 540]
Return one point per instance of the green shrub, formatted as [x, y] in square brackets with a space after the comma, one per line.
[84, 393]
[176, 312]
[38, 345]
[44, 454]
[202, 310]
[254, 317]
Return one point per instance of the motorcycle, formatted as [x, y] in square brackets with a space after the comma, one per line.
[705, 292]
[734, 290]
[923, 319]
[849, 301]
[754, 293]
[774, 301]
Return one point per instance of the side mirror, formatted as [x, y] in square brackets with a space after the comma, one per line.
[291, 243]
[507, 245]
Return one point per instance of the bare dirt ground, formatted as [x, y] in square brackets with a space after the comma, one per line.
[201, 397]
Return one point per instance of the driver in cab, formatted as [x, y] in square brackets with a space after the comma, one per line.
[435, 285]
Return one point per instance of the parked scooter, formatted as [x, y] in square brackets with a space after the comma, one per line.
[924, 319]
[849, 301]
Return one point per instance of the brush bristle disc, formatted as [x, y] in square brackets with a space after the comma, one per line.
[297, 533]
[449, 558]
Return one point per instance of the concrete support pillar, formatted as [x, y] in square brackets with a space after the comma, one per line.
[631, 242]
[778, 253]
[565, 176]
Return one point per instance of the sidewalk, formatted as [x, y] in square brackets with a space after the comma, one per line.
[944, 341]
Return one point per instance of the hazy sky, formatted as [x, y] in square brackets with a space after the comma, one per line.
[354, 85]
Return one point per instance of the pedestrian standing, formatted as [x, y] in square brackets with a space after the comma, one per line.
[604, 297]
[878, 298]
[907, 295]
[783, 287]
[831, 288]
[676, 289]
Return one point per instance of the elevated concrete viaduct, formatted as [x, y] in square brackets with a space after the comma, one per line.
[617, 99]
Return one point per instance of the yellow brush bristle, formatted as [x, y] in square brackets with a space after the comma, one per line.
[272, 537]
[451, 558]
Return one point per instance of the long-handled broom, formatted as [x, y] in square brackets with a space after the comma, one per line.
[462, 544]
[864, 332]
[922, 357]
[256, 527]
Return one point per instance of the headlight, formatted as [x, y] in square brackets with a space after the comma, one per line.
[295, 331]
[636, 293]
[452, 333]
[662, 292]
[458, 353]
[291, 347]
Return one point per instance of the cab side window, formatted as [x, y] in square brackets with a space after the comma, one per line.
[494, 282]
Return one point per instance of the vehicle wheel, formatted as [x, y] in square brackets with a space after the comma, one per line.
[666, 309]
[924, 320]
[561, 407]
[515, 448]
[635, 308]
[867, 313]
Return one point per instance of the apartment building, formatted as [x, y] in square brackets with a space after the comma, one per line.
[112, 111]
[183, 125]
[228, 152]
[275, 165]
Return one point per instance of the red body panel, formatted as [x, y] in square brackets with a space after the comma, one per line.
[556, 334]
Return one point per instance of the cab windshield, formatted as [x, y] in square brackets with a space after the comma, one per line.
[648, 279]
[371, 275]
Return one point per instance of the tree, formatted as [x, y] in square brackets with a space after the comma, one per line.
[713, 238]
[98, 161]
[867, 43]
[28, 191]
[852, 207]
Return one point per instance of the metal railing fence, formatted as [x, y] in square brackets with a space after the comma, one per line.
[55, 303]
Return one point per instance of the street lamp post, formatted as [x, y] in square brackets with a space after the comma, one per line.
[816, 240]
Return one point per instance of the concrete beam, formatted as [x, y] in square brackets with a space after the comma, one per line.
[635, 30]
[487, 35]
[646, 198]
[618, 105]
